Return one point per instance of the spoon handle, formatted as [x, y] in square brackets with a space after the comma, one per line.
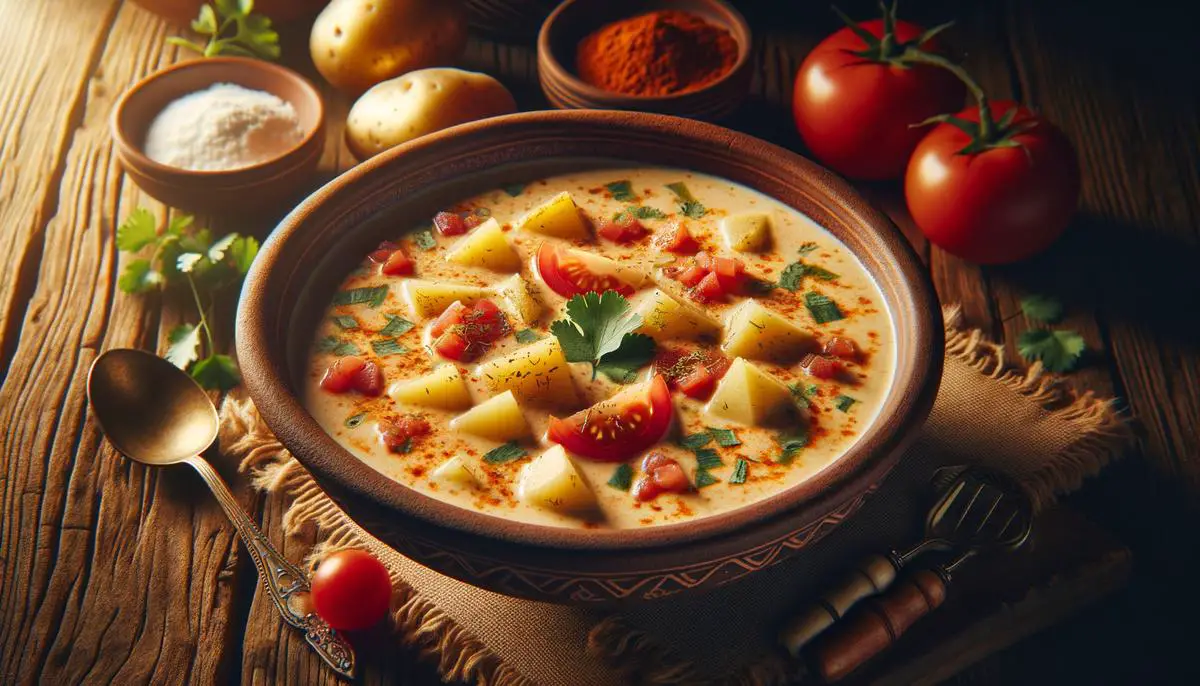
[284, 581]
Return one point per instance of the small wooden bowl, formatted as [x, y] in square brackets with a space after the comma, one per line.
[257, 189]
[575, 19]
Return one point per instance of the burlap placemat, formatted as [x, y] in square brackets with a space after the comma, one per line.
[985, 413]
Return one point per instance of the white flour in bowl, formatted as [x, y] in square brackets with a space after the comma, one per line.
[223, 127]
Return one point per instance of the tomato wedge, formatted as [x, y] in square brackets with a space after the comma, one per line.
[618, 428]
[568, 276]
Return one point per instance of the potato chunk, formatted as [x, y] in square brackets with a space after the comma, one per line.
[498, 418]
[444, 388]
[551, 481]
[752, 331]
[664, 317]
[750, 396]
[520, 300]
[454, 471]
[537, 373]
[558, 217]
[485, 247]
[747, 232]
[427, 299]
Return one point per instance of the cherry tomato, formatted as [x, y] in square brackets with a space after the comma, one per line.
[567, 275]
[351, 590]
[678, 241]
[396, 433]
[855, 113]
[624, 228]
[618, 428]
[1001, 204]
[450, 224]
[353, 374]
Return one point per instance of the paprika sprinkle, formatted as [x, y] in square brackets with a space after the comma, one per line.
[655, 54]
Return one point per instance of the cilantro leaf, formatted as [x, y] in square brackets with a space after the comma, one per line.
[843, 403]
[187, 262]
[641, 212]
[705, 478]
[216, 252]
[506, 453]
[137, 231]
[622, 477]
[599, 325]
[793, 274]
[424, 239]
[693, 209]
[242, 252]
[139, 277]
[1043, 309]
[622, 191]
[218, 372]
[180, 223]
[232, 29]
[741, 468]
[807, 247]
[184, 347]
[822, 308]
[1059, 350]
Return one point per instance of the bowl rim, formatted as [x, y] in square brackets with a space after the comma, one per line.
[577, 87]
[133, 154]
[265, 371]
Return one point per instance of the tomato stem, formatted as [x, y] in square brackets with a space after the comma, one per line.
[988, 131]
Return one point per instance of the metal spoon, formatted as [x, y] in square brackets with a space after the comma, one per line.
[155, 414]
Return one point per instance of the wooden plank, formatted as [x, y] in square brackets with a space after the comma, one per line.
[111, 572]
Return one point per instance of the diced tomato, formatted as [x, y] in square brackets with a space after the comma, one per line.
[449, 317]
[383, 252]
[821, 367]
[624, 228]
[731, 273]
[840, 346]
[694, 373]
[353, 374]
[709, 289]
[653, 460]
[678, 241]
[485, 321]
[398, 264]
[704, 261]
[567, 274]
[464, 333]
[616, 429]
[698, 383]
[452, 346]
[671, 478]
[398, 432]
[661, 474]
[450, 224]
[692, 275]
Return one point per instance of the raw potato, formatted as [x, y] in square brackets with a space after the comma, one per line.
[444, 388]
[520, 299]
[456, 472]
[664, 317]
[428, 299]
[356, 44]
[537, 372]
[747, 232]
[498, 418]
[755, 332]
[750, 396]
[485, 246]
[551, 481]
[558, 217]
[419, 103]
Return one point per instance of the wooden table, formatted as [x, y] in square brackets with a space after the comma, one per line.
[110, 572]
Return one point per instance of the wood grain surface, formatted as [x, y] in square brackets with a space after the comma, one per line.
[111, 572]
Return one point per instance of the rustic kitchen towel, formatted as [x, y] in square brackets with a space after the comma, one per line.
[985, 413]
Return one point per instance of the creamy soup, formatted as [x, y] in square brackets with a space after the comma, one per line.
[717, 348]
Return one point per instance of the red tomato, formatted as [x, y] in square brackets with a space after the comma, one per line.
[999, 205]
[709, 288]
[821, 367]
[448, 318]
[353, 374]
[463, 333]
[624, 228]
[678, 241]
[453, 346]
[694, 373]
[855, 113]
[618, 428]
[398, 264]
[383, 252]
[731, 273]
[351, 590]
[840, 346]
[661, 474]
[397, 433]
[450, 224]
[567, 275]
[692, 275]
[698, 383]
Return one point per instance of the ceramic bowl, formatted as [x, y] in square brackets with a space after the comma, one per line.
[253, 190]
[574, 19]
[303, 262]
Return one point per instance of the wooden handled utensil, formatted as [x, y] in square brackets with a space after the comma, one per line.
[952, 523]
[990, 513]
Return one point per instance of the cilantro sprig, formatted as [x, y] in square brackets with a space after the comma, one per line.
[688, 204]
[1059, 350]
[232, 28]
[183, 256]
[599, 329]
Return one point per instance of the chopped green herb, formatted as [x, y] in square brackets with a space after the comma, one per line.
[1058, 350]
[696, 441]
[707, 458]
[372, 297]
[388, 346]
[346, 348]
[506, 453]
[514, 189]
[793, 274]
[822, 308]
[843, 403]
[424, 239]
[807, 247]
[328, 344]
[641, 212]
[527, 336]
[693, 209]
[798, 396]
[1043, 309]
[622, 478]
[754, 287]
[818, 272]
[725, 438]
[396, 326]
[740, 470]
[790, 444]
[355, 419]
[346, 322]
[621, 190]
[599, 329]
[705, 478]
[688, 204]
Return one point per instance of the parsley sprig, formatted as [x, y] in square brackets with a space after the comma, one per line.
[181, 256]
[232, 28]
[1059, 350]
[599, 329]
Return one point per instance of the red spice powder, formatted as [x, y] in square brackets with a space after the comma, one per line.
[655, 54]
